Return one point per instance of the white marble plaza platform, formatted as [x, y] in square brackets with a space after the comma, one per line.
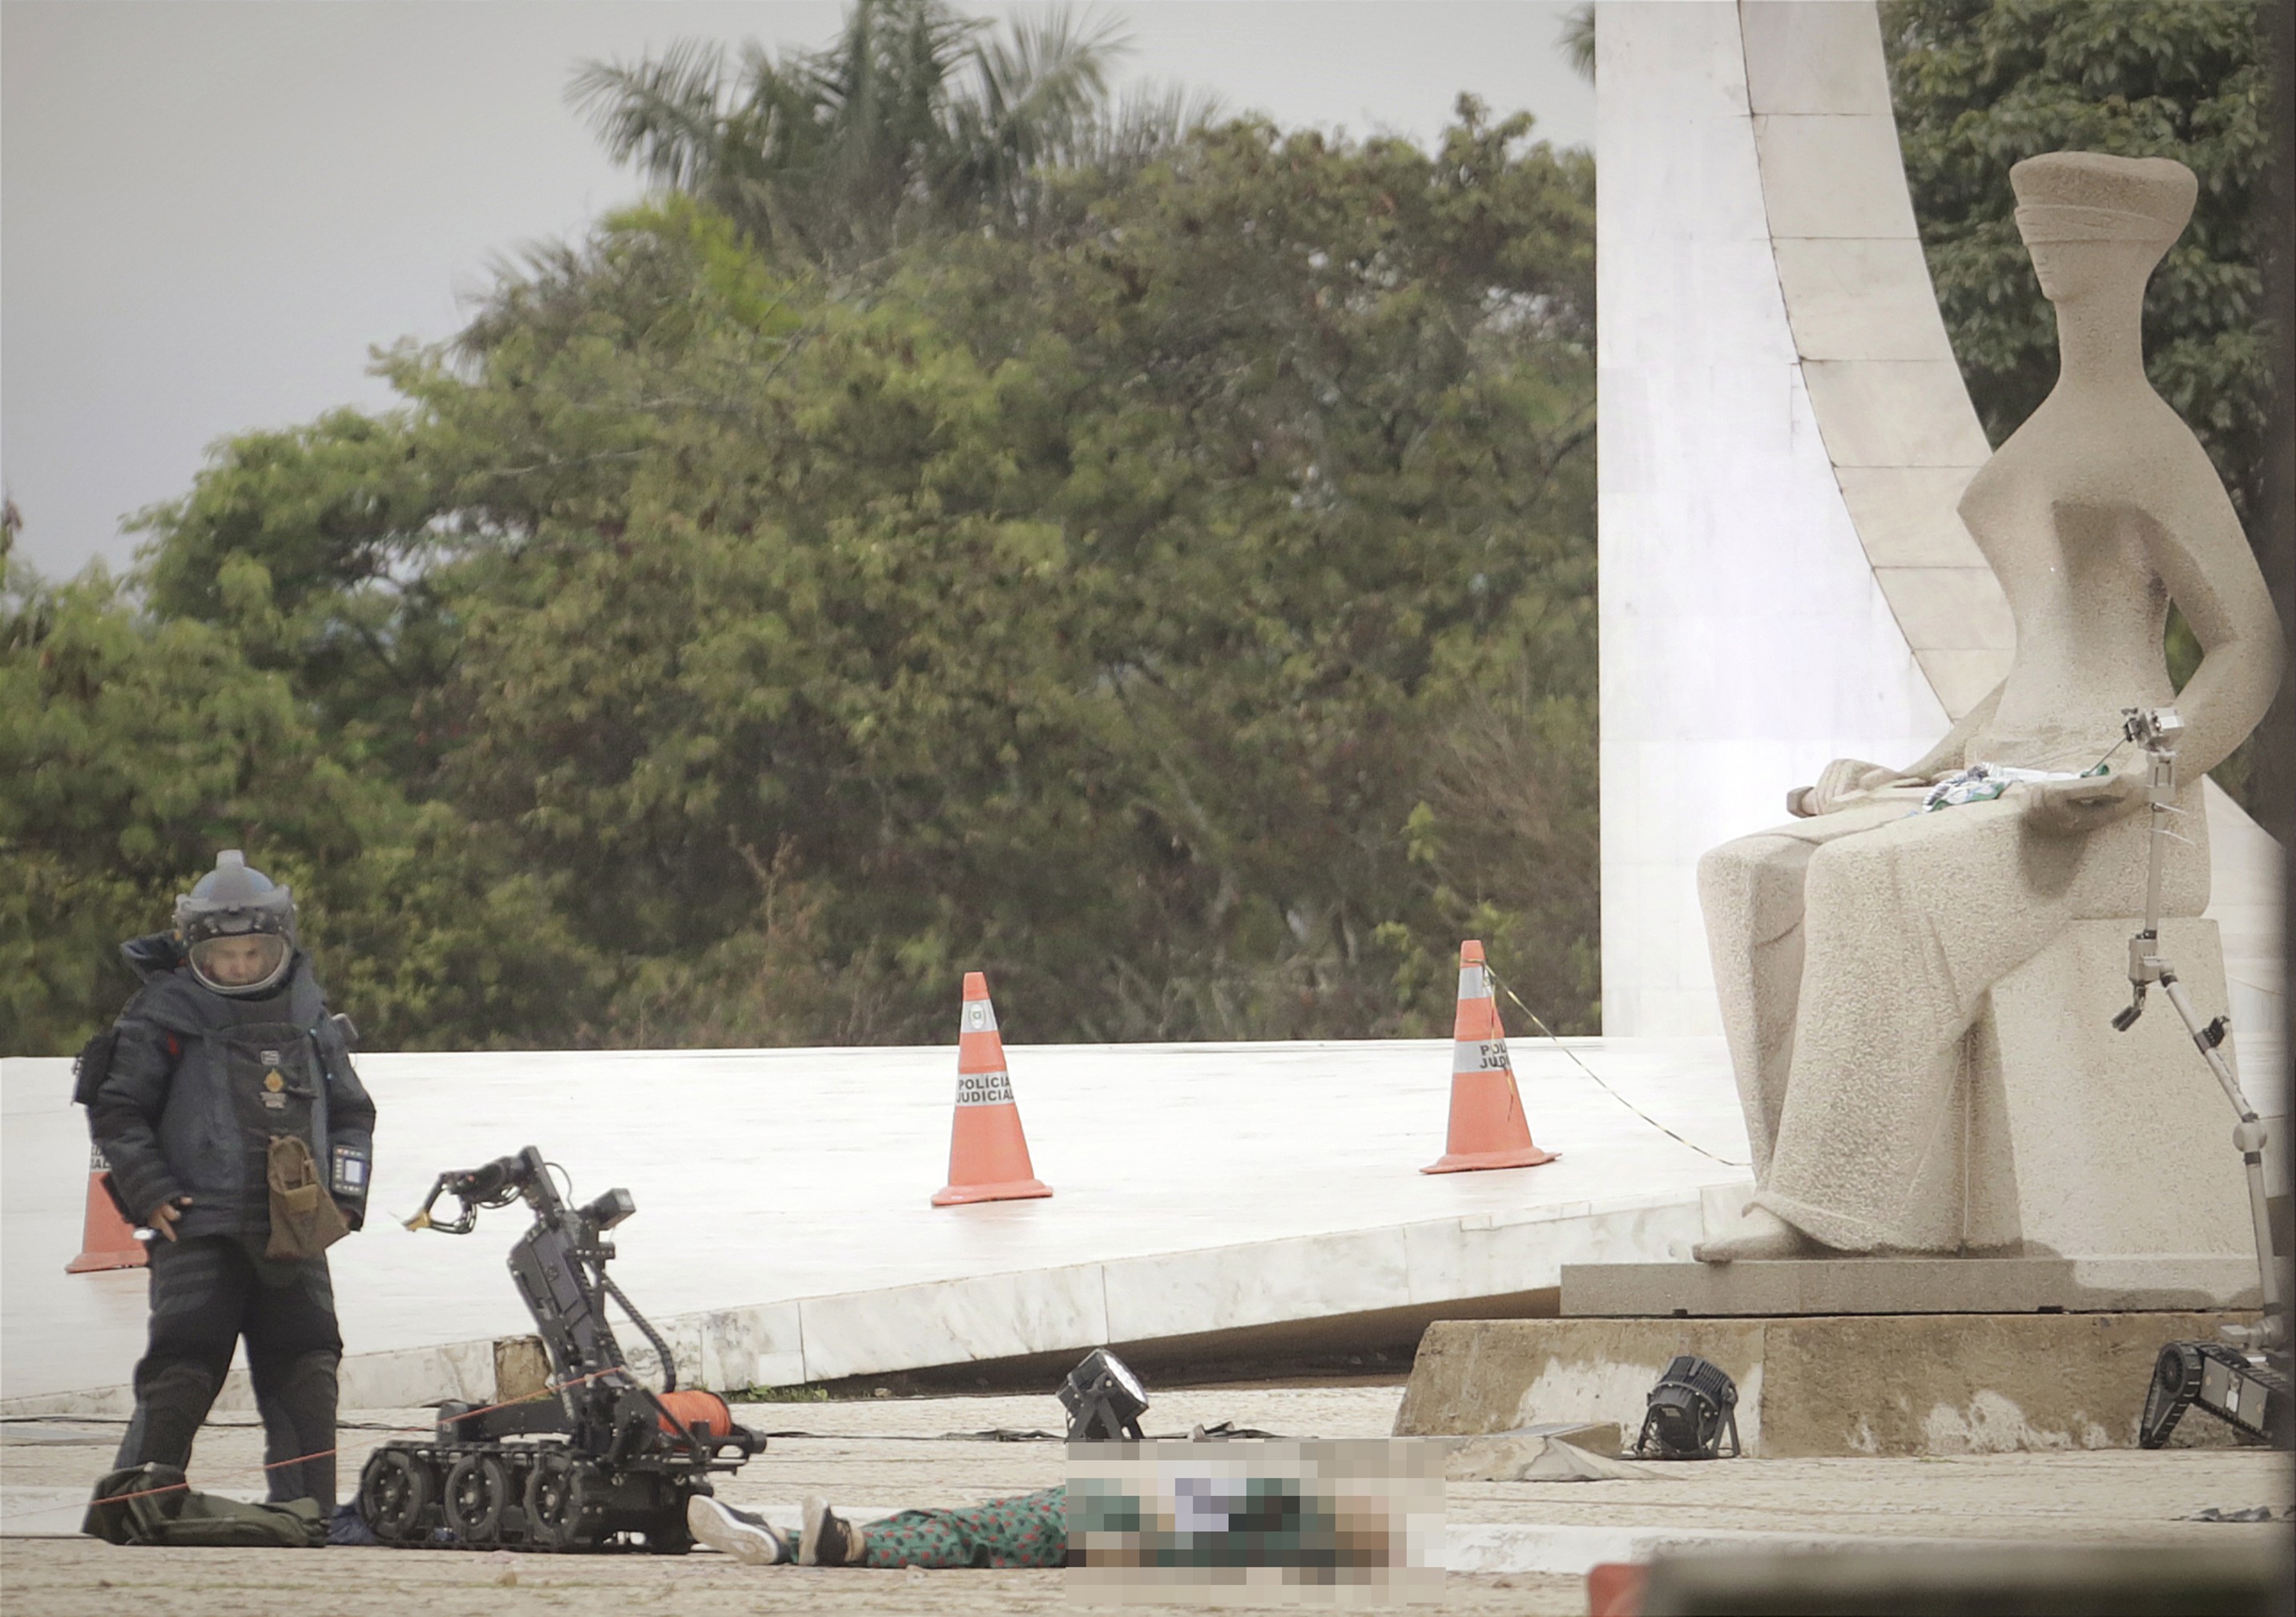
[784, 1235]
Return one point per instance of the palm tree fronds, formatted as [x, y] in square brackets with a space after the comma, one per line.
[1578, 40]
[916, 111]
[662, 116]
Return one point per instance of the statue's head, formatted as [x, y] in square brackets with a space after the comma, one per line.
[2094, 223]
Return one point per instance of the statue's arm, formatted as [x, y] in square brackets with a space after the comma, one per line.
[2196, 546]
[1846, 779]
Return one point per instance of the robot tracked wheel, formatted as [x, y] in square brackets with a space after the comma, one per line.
[611, 1462]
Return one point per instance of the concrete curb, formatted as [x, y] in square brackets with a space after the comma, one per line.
[1070, 1308]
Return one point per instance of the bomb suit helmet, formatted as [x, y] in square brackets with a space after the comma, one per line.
[237, 927]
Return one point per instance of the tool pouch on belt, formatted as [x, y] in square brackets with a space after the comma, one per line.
[304, 1220]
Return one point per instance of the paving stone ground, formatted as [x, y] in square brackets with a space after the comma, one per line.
[894, 1452]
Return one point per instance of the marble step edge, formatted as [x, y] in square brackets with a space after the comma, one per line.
[1327, 1274]
[2094, 1285]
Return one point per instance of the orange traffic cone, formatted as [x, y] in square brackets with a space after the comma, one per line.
[988, 1153]
[1488, 1127]
[107, 1240]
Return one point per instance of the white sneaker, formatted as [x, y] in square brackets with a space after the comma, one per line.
[734, 1533]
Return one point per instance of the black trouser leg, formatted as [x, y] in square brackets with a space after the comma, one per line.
[198, 1290]
[292, 1350]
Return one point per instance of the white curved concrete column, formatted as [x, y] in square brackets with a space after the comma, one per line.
[1896, 420]
[1745, 639]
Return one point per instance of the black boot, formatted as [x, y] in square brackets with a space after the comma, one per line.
[829, 1540]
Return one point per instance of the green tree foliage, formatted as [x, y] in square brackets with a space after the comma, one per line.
[132, 749]
[1181, 609]
[917, 118]
[1577, 40]
[1095, 608]
[314, 549]
[1980, 85]
[130, 752]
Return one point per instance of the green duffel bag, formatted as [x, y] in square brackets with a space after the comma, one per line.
[161, 1510]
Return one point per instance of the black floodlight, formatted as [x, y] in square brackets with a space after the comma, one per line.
[1103, 1399]
[2244, 1389]
[1693, 1404]
[610, 1209]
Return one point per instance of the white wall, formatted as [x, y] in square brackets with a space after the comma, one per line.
[1744, 639]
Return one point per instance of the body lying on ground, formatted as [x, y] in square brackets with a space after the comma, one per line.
[1028, 1529]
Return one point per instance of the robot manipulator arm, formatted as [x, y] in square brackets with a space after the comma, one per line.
[497, 1183]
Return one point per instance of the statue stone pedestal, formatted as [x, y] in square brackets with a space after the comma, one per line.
[1871, 1384]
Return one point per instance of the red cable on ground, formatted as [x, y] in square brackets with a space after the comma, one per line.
[184, 1486]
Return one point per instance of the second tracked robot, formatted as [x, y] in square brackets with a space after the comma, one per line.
[606, 1462]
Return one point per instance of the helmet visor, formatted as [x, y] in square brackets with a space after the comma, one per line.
[240, 963]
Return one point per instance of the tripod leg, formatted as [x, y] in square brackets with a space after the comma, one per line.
[2249, 1136]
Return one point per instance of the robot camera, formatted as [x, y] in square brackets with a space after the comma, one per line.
[610, 1209]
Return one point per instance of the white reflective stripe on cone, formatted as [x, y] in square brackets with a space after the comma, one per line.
[1488, 1056]
[984, 1088]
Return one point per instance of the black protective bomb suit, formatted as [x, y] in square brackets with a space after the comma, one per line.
[196, 1084]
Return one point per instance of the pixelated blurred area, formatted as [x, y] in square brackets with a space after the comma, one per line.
[1334, 1523]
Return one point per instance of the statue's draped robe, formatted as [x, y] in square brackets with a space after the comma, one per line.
[1853, 951]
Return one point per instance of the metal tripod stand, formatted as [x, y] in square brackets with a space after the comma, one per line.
[2244, 1379]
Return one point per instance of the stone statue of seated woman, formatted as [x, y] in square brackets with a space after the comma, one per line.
[1854, 947]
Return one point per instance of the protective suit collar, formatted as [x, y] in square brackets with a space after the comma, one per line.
[173, 999]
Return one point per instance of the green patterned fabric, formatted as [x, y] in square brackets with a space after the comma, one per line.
[1026, 1530]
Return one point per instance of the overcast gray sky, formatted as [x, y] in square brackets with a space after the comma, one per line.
[209, 212]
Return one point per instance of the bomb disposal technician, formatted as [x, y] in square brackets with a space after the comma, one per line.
[225, 1102]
